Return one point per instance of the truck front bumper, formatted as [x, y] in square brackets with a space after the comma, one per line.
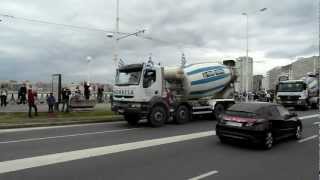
[129, 108]
[300, 102]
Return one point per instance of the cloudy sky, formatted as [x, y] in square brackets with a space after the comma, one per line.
[202, 29]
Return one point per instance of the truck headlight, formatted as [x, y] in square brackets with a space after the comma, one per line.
[303, 97]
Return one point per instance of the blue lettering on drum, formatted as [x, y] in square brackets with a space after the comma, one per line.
[209, 79]
[201, 70]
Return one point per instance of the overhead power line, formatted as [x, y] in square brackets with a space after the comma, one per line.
[85, 28]
[59, 24]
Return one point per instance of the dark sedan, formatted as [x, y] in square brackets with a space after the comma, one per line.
[262, 123]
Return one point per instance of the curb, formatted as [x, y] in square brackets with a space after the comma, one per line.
[89, 121]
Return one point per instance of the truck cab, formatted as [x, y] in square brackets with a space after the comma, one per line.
[137, 87]
[293, 93]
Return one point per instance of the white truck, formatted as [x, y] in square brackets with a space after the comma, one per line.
[162, 94]
[301, 93]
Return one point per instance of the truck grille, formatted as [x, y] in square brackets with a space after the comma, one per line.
[289, 98]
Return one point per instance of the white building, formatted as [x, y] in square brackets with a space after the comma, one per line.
[244, 73]
[265, 83]
[295, 70]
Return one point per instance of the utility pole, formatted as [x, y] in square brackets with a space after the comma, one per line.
[89, 58]
[116, 35]
[318, 70]
[247, 52]
[247, 59]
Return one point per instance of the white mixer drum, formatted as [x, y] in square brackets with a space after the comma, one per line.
[205, 79]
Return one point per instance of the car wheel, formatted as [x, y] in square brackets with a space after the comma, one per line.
[222, 140]
[268, 141]
[158, 116]
[132, 120]
[298, 133]
[182, 115]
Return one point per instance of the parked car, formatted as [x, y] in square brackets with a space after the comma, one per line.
[258, 122]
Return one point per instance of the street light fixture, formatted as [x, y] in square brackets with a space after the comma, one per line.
[247, 50]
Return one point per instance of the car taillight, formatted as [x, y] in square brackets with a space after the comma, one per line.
[246, 121]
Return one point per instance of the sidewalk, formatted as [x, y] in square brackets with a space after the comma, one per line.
[44, 107]
[16, 116]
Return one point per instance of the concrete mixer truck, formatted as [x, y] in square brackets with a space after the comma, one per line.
[178, 94]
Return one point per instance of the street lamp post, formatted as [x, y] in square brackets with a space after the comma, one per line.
[318, 67]
[89, 58]
[247, 52]
[116, 36]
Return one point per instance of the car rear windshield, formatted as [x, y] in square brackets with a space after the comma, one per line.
[241, 114]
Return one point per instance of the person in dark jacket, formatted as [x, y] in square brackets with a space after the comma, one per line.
[100, 94]
[86, 91]
[31, 102]
[65, 99]
[22, 94]
[51, 101]
[3, 95]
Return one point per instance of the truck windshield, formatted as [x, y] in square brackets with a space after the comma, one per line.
[291, 87]
[124, 78]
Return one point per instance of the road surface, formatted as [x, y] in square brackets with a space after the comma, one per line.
[117, 151]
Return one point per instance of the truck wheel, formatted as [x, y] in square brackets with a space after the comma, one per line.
[132, 120]
[158, 116]
[218, 111]
[182, 115]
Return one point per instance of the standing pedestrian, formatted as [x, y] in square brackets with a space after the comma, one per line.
[86, 90]
[4, 94]
[65, 99]
[31, 101]
[23, 93]
[51, 101]
[100, 94]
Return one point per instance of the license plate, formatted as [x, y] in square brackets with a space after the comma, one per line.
[233, 124]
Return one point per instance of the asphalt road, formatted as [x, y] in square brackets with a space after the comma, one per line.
[117, 151]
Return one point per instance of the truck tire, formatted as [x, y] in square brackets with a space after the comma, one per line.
[182, 115]
[132, 119]
[158, 116]
[218, 110]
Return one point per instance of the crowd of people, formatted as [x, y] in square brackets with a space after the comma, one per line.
[29, 96]
[263, 96]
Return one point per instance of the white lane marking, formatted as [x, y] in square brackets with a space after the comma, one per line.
[37, 161]
[69, 135]
[308, 138]
[204, 175]
[56, 127]
[310, 116]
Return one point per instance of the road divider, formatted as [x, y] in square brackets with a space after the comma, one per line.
[66, 136]
[204, 175]
[45, 160]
